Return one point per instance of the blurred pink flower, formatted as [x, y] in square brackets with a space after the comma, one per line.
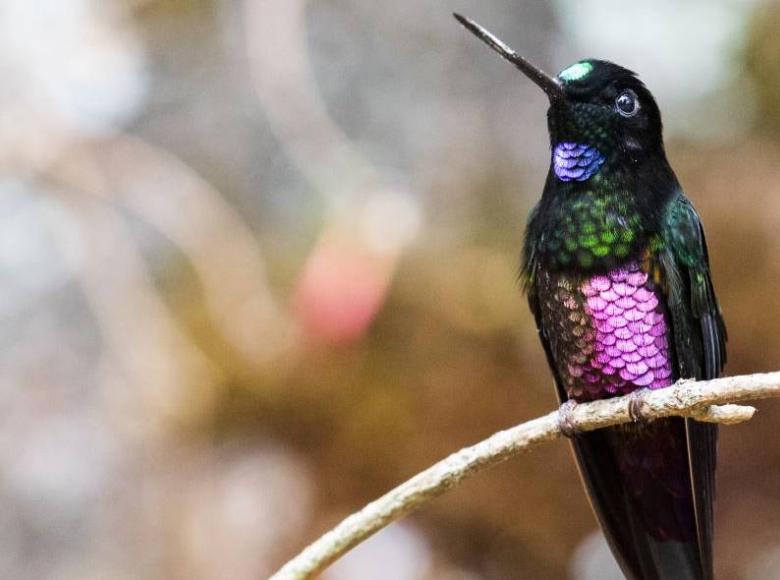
[339, 293]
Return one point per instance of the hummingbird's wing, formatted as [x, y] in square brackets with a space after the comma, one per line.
[700, 345]
[699, 330]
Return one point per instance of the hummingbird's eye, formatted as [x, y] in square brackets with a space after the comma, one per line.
[627, 103]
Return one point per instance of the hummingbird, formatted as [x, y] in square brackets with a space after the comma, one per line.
[617, 276]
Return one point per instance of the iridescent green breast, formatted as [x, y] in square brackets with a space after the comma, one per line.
[591, 230]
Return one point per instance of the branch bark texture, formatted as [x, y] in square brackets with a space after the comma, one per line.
[709, 401]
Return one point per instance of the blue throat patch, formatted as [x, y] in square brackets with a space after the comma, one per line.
[575, 162]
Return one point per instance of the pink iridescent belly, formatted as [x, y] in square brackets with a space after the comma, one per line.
[608, 333]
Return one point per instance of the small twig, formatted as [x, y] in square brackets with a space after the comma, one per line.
[703, 401]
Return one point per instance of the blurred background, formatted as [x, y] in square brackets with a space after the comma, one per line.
[258, 265]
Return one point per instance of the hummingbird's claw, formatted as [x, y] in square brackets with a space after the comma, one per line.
[566, 420]
[636, 407]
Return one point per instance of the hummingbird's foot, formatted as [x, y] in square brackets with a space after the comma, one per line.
[566, 420]
[636, 407]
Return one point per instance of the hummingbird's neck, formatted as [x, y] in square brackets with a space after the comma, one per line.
[579, 163]
[598, 213]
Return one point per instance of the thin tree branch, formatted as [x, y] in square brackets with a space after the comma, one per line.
[703, 401]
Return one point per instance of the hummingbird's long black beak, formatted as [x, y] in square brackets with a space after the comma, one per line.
[547, 83]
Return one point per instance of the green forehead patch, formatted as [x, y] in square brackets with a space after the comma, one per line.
[576, 71]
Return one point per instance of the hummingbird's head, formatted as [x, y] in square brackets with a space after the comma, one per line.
[599, 111]
[605, 106]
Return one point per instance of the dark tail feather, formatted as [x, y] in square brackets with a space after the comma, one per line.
[639, 484]
[702, 451]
